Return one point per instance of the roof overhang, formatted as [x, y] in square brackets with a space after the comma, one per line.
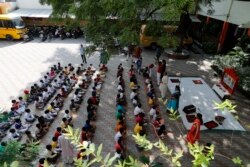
[37, 13]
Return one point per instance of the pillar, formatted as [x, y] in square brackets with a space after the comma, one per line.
[222, 36]
[248, 32]
[207, 20]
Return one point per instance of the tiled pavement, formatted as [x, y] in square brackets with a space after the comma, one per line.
[21, 64]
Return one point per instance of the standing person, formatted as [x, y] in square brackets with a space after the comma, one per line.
[163, 85]
[159, 51]
[104, 57]
[163, 67]
[83, 54]
[177, 94]
[158, 74]
[194, 133]
[67, 149]
[130, 50]
[137, 53]
[138, 65]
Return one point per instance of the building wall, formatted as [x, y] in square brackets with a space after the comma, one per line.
[238, 14]
[32, 4]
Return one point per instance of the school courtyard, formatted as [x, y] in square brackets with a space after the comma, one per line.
[22, 64]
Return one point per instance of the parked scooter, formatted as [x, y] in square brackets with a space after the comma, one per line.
[28, 36]
[42, 36]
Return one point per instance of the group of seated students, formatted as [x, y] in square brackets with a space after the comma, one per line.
[120, 116]
[41, 91]
[157, 121]
[88, 129]
[52, 149]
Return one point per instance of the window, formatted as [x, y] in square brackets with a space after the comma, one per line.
[7, 23]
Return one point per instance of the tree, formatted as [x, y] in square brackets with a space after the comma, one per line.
[109, 19]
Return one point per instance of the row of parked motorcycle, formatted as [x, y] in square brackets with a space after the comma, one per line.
[52, 32]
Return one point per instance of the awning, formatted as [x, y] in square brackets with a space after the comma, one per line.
[38, 13]
[245, 25]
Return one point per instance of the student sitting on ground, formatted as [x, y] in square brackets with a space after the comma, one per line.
[47, 116]
[20, 127]
[85, 135]
[30, 137]
[68, 117]
[81, 154]
[28, 116]
[58, 101]
[53, 111]
[161, 131]
[13, 135]
[70, 67]
[21, 102]
[158, 122]
[133, 94]
[119, 145]
[63, 92]
[64, 123]
[73, 106]
[52, 73]
[120, 135]
[153, 112]
[91, 112]
[58, 132]
[43, 123]
[51, 90]
[94, 100]
[50, 154]
[84, 84]
[120, 125]
[120, 87]
[138, 129]
[40, 131]
[66, 71]
[89, 127]
[103, 68]
[15, 105]
[120, 100]
[135, 101]
[46, 80]
[39, 103]
[77, 98]
[41, 162]
[138, 110]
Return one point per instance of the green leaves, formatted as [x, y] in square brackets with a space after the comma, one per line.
[143, 142]
[202, 155]
[173, 115]
[227, 104]
[237, 161]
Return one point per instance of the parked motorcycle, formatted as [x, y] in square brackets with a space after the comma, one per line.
[42, 36]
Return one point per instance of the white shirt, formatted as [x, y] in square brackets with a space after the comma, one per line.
[28, 115]
[138, 110]
[119, 88]
[67, 116]
[117, 136]
[152, 112]
[132, 95]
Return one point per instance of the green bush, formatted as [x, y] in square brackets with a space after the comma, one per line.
[238, 60]
[209, 47]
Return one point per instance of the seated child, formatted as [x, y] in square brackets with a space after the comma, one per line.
[70, 67]
[20, 127]
[30, 137]
[73, 106]
[48, 116]
[13, 135]
[52, 109]
[50, 154]
[28, 116]
[66, 71]
[89, 127]
[68, 116]
[52, 73]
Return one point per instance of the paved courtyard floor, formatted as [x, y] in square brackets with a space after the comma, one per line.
[22, 64]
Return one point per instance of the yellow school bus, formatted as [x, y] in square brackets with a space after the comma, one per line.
[11, 27]
[147, 40]
[152, 41]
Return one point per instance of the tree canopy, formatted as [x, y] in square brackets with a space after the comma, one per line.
[109, 19]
